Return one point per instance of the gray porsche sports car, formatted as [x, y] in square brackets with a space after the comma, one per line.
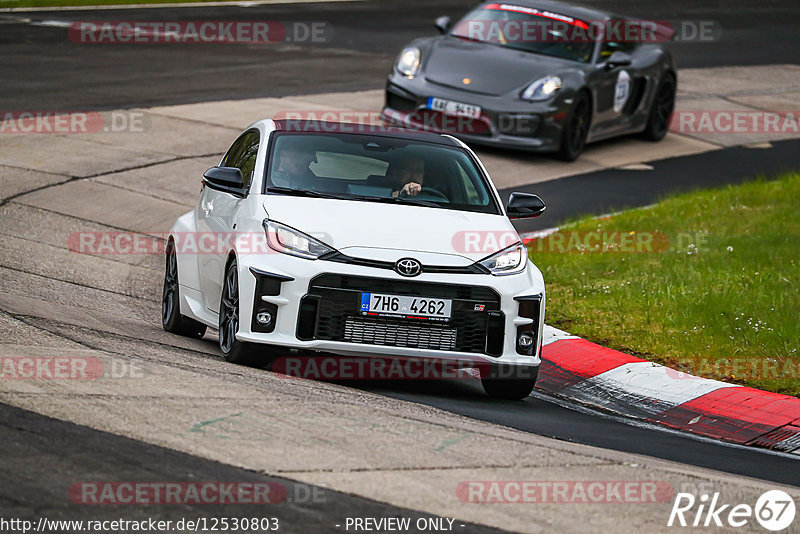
[536, 75]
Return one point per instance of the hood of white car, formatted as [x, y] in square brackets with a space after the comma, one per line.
[389, 231]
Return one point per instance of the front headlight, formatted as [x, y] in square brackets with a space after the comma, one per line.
[287, 240]
[542, 89]
[408, 62]
[510, 260]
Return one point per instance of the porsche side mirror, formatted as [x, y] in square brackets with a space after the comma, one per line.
[442, 24]
[225, 179]
[524, 205]
[618, 59]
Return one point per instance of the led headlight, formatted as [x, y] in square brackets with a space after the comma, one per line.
[408, 62]
[510, 260]
[542, 89]
[287, 240]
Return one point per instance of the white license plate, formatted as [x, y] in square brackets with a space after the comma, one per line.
[454, 108]
[408, 307]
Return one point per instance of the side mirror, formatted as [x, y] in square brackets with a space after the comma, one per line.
[618, 59]
[226, 179]
[442, 24]
[524, 205]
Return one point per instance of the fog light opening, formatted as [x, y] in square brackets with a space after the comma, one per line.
[525, 341]
[264, 318]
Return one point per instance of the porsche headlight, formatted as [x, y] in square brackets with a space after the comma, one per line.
[542, 89]
[408, 62]
[510, 260]
[287, 240]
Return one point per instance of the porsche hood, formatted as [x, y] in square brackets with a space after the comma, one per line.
[489, 68]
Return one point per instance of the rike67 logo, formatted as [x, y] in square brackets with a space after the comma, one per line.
[774, 510]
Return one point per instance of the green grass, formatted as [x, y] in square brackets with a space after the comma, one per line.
[722, 300]
[70, 3]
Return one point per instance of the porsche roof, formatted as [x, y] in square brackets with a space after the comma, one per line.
[577, 11]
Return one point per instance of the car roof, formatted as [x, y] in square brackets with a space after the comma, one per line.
[577, 11]
[367, 130]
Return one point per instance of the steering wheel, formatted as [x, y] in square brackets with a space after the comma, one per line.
[427, 193]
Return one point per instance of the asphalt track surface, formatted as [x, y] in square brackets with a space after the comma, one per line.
[42, 69]
[41, 468]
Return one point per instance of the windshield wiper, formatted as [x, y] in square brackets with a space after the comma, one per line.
[301, 192]
[348, 196]
[397, 200]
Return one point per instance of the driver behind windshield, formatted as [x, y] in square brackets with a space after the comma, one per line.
[410, 174]
[294, 168]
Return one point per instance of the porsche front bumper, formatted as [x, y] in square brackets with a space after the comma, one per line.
[505, 122]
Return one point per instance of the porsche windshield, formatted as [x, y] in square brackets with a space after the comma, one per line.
[529, 29]
[377, 169]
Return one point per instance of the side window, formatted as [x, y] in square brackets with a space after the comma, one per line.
[609, 47]
[242, 155]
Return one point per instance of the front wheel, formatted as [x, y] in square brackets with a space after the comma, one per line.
[233, 350]
[576, 128]
[513, 382]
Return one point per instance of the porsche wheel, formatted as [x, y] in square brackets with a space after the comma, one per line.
[661, 111]
[576, 128]
[171, 318]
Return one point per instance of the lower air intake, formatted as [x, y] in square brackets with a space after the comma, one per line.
[399, 335]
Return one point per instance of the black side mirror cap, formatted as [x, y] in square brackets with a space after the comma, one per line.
[226, 179]
[619, 59]
[524, 206]
[442, 24]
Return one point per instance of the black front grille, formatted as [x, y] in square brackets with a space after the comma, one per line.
[339, 318]
[400, 103]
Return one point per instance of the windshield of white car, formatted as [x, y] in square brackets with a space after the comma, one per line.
[372, 168]
[529, 29]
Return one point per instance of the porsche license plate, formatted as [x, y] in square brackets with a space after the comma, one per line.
[454, 108]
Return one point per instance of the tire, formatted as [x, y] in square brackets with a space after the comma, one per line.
[576, 128]
[509, 382]
[234, 351]
[171, 318]
[661, 110]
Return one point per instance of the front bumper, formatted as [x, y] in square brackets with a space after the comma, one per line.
[504, 122]
[315, 306]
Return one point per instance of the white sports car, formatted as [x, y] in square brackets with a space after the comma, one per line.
[352, 240]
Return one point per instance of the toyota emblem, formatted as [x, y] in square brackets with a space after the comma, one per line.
[408, 267]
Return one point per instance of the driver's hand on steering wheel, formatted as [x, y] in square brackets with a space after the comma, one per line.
[411, 188]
